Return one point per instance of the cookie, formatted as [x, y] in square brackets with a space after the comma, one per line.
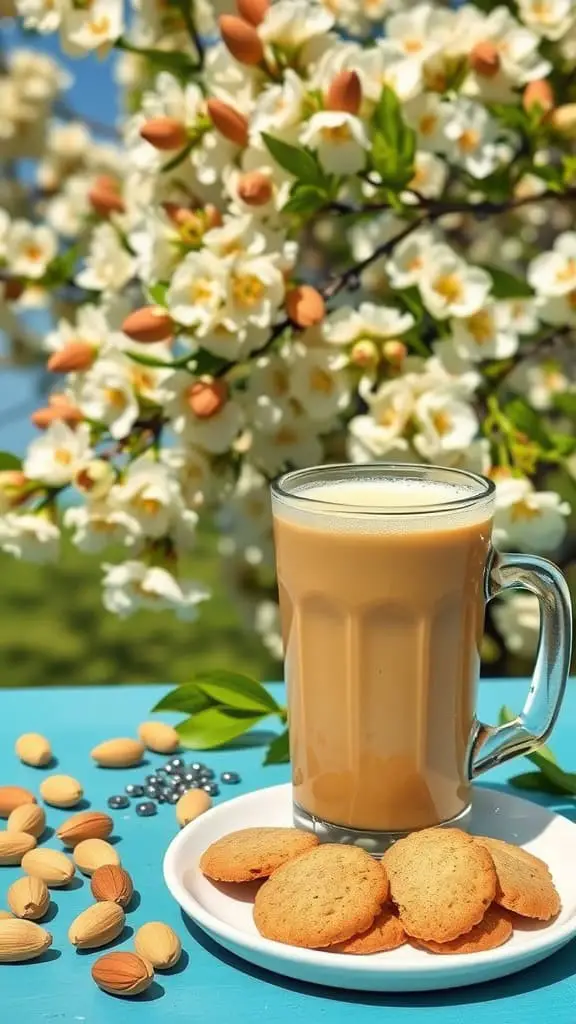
[323, 897]
[494, 930]
[253, 853]
[384, 934]
[442, 882]
[524, 883]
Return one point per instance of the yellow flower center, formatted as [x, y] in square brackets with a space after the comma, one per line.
[115, 397]
[568, 272]
[442, 423]
[480, 326]
[247, 290]
[449, 287]
[413, 45]
[337, 134]
[62, 456]
[33, 252]
[100, 26]
[468, 141]
[201, 290]
[321, 381]
[150, 506]
[387, 418]
[286, 436]
[523, 512]
[280, 383]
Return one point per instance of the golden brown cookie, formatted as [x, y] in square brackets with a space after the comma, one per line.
[441, 881]
[322, 897]
[253, 853]
[524, 883]
[386, 933]
[494, 930]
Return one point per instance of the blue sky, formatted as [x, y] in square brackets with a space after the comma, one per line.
[93, 95]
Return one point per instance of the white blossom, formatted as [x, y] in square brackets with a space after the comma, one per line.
[32, 538]
[132, 586]
[451, 287]
[55, 457]
[109, 266]
[526, 519]
[30, 248]
[340, 140]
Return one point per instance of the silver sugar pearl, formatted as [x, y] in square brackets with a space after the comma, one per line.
[146, 809]
[152, 791]
[173, 798]
[208, 774]
[152, 780]
[230, 778]
[118, 803]
[211, 788]
[177, 763]
[132, 789]
[196, 766]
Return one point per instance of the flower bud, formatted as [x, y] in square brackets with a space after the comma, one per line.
[394, 351]
[75, 356]
[44, 417]
[485, 59]
[253, 11]
[213, 216]
[538, 94]
[229, 122]
[148, 325]
[345, 93]
[241, 39]
[104, 196]
[563, 119]
[12, 484]
[305, 306]
[364, 354]
[165, 133]
[255, 188]
[95, 478]
[207, 397]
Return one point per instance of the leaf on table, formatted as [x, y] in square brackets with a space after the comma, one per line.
[279, 750]
[216, 726]
[535, 781]
[236, 691]
[186, 698]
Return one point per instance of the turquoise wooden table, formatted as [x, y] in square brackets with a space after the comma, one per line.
[211, 986]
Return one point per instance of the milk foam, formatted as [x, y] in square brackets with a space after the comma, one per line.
[375, 505]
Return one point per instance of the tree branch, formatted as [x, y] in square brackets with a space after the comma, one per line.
[435, 210]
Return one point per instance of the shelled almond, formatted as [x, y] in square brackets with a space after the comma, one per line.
[111, 882]
[91, 854]
[12, 797]
[122, 973]
[28, 898]
[13, 846]
[85, 825]
[27, 818]
[159, 737]
[61, 791]
[98, 925]
[159, 944]
[52, 866]
[191, 805]
[34, 749]
[22, 940]
[118, 753]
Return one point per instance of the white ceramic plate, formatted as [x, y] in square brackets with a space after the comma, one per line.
[225, 912]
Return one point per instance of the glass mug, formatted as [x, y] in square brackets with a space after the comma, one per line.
[383, 572]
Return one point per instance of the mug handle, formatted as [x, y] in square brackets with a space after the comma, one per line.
[491, 745]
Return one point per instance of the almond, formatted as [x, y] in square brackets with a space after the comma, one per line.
[158, 944]
[75, 356]
[538, 94]
[118, 753]
[70, 414]
[93, 853]
[191, 805]
[99, 924]
[112, 883]
[104, 196]
[345, 93]
[28, 898]
[13, 846]
[61, 791]
[148, 325]
[85, 825]
[241, 39]
[5, 915]
[253, 11]
[206, 397]
[27, 818]
[34, 749]
[22, 940]
[122, 974]
[159, 737]
[229, 122]
[164, 133]
[14, 796]
[52, 866]
[484, 59]
[305, 306]
[255, 188]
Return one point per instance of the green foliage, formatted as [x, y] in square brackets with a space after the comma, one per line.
[296, 160]
[278, 752]
[506, 285]
[157, 293]
[179, 64]
[394, 143]
[9, 461]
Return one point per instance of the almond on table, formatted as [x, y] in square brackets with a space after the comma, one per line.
[34, 749]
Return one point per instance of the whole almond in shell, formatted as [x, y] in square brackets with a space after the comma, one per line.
[228, 121]
[12, 797]
[159, 737]
[159, 944]
[91, 854]
[305, 306]
[118, 753]
[241, 39]
[13, 846]
[122, 974]
[191, 805]
[61, 791]
[148, 325]
[345, 93]
[22, 940]
[52, 866]
[27, 818]
[111, 882]
[85, 825]
[28, 898]
[97, 926]
[34, 749]
[253, 11]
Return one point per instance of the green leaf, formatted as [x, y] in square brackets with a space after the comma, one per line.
[535, 781]
[216, 726]
[387, 161]
[529, 422]
[306, 199]
[564, 444]
[170, 364]
[179, 158]
[279, 750]
[545, 760]
[157, 292]
[9, 461]
[163, 60]
[186, 698]
[296, 160]
[236, 691]
[566, 403]
[394, 143]
[507, 286]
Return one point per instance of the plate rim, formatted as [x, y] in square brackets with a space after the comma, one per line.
[457, 964]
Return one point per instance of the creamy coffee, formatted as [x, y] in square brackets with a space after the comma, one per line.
[382, 604]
